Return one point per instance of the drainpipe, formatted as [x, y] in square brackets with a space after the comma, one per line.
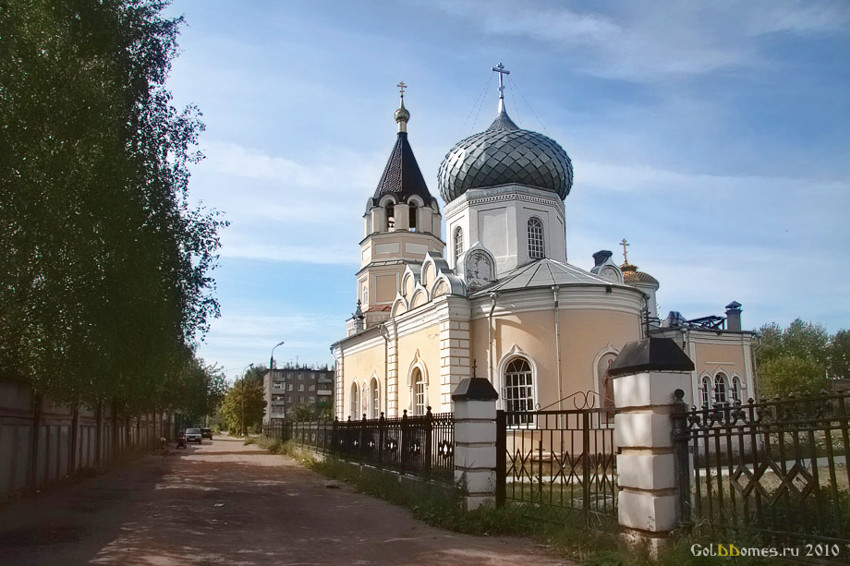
[753, 351]
[555, 289]
[493, 297]
[386, 336]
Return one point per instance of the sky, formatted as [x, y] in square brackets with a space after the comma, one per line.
[713, 136]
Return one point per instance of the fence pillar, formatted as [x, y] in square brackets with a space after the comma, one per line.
[646, 375]
[475, 441]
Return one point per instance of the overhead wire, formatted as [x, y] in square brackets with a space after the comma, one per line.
[476, 108]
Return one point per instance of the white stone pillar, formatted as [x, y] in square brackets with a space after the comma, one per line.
[475, 441]
[648, 501]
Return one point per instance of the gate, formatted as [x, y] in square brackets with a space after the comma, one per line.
[777, 469]
[559, 459]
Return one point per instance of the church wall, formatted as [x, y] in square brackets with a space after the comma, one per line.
[727, 354]
[386, 287]
[497, 218]
[584, 332]
[360, 363]
[420, 348]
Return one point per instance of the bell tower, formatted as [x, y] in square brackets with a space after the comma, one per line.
[402, 223]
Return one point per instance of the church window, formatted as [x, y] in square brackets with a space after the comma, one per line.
[736, 389]
[705, 390]
[519, 393]
[420, 396]
[458, 243]
[536, 249]
[390, 218]
[412, 217]
[720, 390]
[375, 398]
[355, 401]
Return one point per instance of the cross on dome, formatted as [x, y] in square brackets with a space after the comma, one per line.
[502, 72]
[625, 244]
[402, 115]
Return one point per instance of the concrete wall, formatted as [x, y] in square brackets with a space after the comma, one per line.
[42, 442]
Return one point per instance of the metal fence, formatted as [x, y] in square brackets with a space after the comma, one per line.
[564, 459]
[777, 469]
[420, 445]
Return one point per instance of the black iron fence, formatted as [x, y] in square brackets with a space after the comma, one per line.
[564, 459]
[421, 445]
[777, 469]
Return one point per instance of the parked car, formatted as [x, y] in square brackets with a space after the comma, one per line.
[206, 433]
[193, 435]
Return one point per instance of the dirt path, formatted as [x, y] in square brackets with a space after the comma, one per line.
[226, 503]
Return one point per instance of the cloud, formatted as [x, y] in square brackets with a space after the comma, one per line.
[320, 170]
[238, 245]
[239, 337]
[286, 209]
[647, 41]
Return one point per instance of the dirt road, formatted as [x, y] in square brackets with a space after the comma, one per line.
[226, 503]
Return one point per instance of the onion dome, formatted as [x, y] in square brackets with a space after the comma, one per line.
[505, 154]
[632, 275]
[402, 177]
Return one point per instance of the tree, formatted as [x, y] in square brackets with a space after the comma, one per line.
[839, 355]
[104, 275]
[254, 405]
[793, 360]
[201, 390]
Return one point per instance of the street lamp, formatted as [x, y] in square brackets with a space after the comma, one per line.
[271, 359]
[243, 397]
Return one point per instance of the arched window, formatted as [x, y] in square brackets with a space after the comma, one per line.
[354, 402]
[420, 395]
[736, 389]
[705, 390]
[458, 243]
[375, 398]
[412, 217]
[519, 391]
[390, 217]
[536, 249]
[720, 390]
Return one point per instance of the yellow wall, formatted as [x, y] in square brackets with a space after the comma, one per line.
[584, 335]
[360, 367]
[424, 343]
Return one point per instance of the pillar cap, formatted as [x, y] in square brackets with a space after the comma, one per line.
[474, 389]
[651, 354]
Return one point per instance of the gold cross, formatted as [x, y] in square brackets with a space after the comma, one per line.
[624, 243]
[402, 86]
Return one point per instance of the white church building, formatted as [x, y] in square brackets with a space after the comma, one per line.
[497, 298]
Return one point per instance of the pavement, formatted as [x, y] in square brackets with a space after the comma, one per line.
[226, 503]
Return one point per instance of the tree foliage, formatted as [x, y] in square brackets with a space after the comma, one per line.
[251, 392]
[200, 390]
[839, 355]
[105, 273]
[800, 357]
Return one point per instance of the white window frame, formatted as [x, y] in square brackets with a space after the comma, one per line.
[720, 391]
[519, 396]
[354, 402]
[536, 239]
[458, 236]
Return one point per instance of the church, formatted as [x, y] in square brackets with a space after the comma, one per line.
[497, 298]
